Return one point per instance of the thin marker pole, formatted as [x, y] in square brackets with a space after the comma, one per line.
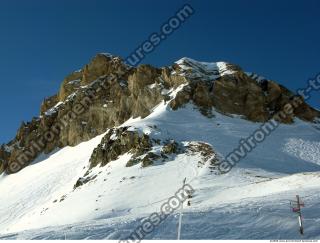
[180, 216]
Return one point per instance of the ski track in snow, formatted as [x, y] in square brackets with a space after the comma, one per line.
[250, 202]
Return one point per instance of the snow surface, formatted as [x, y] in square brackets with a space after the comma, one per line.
[54, 109]
[205, 70]
[73, 82]
[250, 202]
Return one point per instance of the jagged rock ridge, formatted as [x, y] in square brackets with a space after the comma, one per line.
[107, 92]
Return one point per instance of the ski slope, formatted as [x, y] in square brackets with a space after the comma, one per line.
[250, 202]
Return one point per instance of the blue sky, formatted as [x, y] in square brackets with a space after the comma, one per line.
[42, 41]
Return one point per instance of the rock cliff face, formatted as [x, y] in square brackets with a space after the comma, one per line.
[231, 91]
[107, 92]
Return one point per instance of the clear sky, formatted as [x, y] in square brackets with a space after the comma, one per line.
[42, 41]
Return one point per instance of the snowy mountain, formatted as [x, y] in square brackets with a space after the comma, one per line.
[146, 130]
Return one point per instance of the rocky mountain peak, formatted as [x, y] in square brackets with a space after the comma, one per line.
[106, 92]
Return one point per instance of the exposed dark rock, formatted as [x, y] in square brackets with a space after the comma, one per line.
[207, 153]
[133, 161]
[238, 94]
[83, 180]
[171, 147]
[100, 65]
[182, 98]
[4, 157]
[118, 142]
[149, 159]
[48, 103]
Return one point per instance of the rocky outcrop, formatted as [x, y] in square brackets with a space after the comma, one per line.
[235, 92]
[207, 155]
[106, 92]
[4, 156]
[48, 103]
[101, 65]
[247, 97]
[90, 110]
[104, 64]
[144, 150]
[170, 147]
[84, 180]
[118, 142]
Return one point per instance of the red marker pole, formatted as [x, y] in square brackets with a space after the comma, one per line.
[299, 215]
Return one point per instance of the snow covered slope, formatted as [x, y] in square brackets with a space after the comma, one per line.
[204, 70]
[250, 202]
